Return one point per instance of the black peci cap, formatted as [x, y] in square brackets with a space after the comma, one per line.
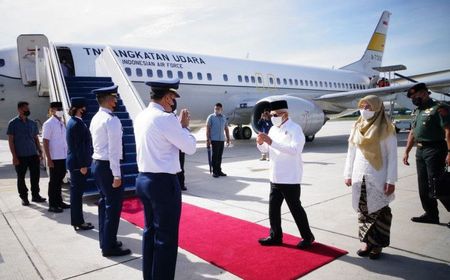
[277, 105]
[56, 104]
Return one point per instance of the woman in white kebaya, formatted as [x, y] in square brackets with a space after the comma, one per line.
[371, 171]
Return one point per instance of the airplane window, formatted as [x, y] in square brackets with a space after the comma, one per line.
[364, 87]
[346, 85]
[190, 75]
[285, 81]
[169, 74]
[326, 84]
[278, 81]
[240, 78]
[2, 62]
[290, 82]
[246, 79]
[225, 77]
[199, 76]
[271, 80]
[159, 73]
[321, 84]
[316, 84]
[301, 82]
[180, 75]
[139, 72]
[252, 78]
[128, 71]
[335, 84]
[310, 83]
[259, 80]
[208, 76]
[306, 82]
[149, 73]
[296, 82]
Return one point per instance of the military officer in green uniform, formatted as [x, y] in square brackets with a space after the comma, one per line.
[431, 133]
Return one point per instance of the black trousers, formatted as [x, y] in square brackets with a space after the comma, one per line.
[57, 174]
[32, 163]
[216, 158]
[78, 182]
[180, 174]
[430, 162]
[290, 193]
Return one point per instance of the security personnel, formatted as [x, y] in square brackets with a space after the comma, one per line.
[79, 159]
[55, 147]
[431, 133]
[160, 135]
[106, 131]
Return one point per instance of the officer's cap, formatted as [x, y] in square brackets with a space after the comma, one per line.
[56, 105]
[112, 90]
[278, 105]
[161, 87]
[416, 88]
[78, 102]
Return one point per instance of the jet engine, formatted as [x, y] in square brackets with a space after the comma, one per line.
[303, 112]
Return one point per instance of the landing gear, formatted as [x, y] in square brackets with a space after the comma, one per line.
[240, 132]
[310, 138]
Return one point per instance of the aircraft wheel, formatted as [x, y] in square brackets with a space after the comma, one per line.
[310, 138]
[246, 132]
[237, 133]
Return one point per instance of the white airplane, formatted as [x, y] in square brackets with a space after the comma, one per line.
[244, 87]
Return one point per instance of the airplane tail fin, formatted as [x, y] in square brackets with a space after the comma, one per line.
[373, 55]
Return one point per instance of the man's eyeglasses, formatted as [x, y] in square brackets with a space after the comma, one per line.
[277, 115]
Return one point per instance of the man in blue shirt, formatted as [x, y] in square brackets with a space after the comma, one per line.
[26, 152]
[216, 124]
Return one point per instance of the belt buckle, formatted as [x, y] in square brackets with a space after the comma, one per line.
[420, 145]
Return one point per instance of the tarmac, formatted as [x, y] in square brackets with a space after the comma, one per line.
[37, 244]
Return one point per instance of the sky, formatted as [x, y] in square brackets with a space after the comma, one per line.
[317, 33]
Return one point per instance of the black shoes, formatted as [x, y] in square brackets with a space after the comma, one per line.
[269, 241]
[183, 188]
[25, 202]
[38, 199]
[375, 254]
[85, 226]
[55, 209]
[216, 175]
[64, 205]
[426, 219]
[116, 252]
[222, 174]
[364, 253]
[306, 243]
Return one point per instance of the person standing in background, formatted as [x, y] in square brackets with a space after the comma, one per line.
[26, 152]
[216, 125]
[55, 147]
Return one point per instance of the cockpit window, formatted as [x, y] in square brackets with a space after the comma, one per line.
[2, 62]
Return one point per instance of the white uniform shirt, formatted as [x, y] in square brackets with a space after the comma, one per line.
[54, 131]
[106, 131]
[159, 137]
[357, 167]
[285, 153]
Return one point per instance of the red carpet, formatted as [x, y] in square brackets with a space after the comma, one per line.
[232, 245]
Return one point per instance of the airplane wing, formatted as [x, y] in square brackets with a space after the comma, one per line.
[421, 76]
[347, 96]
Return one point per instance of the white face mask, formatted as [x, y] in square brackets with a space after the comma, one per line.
[366, 114]
[277, 121]
[59, 114]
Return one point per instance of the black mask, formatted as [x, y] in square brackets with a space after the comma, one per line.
[174, 106]
[26, 113]
[417, 101]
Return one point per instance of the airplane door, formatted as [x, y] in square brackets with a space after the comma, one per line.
[29, 47]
